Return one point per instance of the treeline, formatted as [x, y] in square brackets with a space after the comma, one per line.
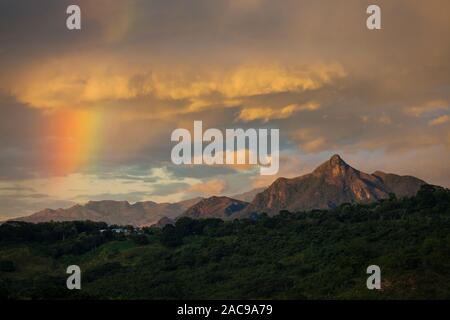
[64, 238]
[19, 231]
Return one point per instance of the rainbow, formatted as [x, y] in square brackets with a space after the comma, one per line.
[75, 139]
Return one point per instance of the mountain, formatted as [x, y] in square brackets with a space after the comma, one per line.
[402, 186]
[139, 214]
[332, 183]
[249, 195]
[215, 207]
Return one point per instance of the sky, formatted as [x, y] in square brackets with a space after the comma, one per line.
[88, 114]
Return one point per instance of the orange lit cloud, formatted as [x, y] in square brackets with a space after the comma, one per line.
[429, 106]
[83, 81]
[310, 140]
[439, 120]
[268, 113]
[211, 187]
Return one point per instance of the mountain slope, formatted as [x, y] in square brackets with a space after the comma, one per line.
[402, 186]
[329, 185]
[249, 195]
[215, 207]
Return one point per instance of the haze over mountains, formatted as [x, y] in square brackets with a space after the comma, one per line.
[332, 183]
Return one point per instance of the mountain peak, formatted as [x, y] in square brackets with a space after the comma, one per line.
[336, 160]
[332, 183]
[335, 166]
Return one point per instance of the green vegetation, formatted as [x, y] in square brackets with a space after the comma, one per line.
[304, 255]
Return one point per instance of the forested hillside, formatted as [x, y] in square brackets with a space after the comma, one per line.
[303, 255]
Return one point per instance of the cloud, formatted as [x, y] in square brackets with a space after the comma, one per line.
[126, 196]
[309, 140]
[210, 187]
[19, 191]
[429, 106]
[269, 113]
[114, 19]
[313, 145]
[56, 84]
[439, 120]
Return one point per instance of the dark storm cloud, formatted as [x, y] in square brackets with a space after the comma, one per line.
[20, 129]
